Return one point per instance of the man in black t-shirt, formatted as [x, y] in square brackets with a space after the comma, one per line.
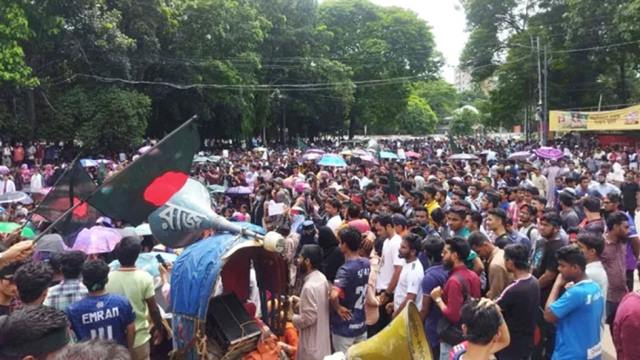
[545, 268]
[545, 264]
[629, 191]
[520, 303]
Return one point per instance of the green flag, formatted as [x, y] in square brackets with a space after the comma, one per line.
[151, 180]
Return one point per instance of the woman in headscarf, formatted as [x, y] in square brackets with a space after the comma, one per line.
[333, 257]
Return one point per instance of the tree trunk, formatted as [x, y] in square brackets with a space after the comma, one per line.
[624, 94]
[353, 123]
[31, 111]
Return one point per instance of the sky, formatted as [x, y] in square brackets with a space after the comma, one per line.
[447, 20]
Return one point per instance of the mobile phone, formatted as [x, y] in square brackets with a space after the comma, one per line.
[161, 260]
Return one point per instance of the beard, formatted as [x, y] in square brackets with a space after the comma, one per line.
[447, 264]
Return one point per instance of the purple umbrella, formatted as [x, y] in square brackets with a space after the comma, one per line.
[547, 152]
[97, 240]
[4, 170]
[238, 190]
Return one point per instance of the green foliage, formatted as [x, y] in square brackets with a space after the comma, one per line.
[439, 94]
[106, 119]
[603, 58]
[417, 118]
[14, 28]
[463, 122]
[101, 70]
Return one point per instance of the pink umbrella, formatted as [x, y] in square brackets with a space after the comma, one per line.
[4, 170]
[97, 240]
[412, 154]
[144, 149]
[547, 152]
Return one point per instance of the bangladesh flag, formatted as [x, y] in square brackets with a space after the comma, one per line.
[73, 187]
[150, 181]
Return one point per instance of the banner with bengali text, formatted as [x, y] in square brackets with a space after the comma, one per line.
[614, 120]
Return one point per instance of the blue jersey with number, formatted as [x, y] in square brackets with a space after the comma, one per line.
[351, 281]
[101, 317]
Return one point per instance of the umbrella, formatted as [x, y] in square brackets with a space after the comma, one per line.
[4, 170]
[144, 149]
[200, 159]
[88, 163]
[128, 231]
[412, 154]
[143, 229]
[520, 155]
[547, 152]
[368, 159]
[148, 262]
[217, 189]
[332, 160]
[360, 152]
[40, 193]
[463, 156]
[388, 155]
[51, 243]
[317, 151]
[260, 149]
[238, 190]
[311, 157]
[7, 227]
[346, 152]
[97, 240]
[15, 197]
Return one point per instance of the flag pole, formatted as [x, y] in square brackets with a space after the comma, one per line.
[95, 191]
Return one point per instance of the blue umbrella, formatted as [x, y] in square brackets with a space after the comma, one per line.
[88, 163]
[388, 155]
[332, 160]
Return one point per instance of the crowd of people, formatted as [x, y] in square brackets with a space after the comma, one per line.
[524, 258]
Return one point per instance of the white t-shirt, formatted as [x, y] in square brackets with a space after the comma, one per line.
[410, 282]
[390, 258]
[7, 186]
[595, 271]
[334, 223]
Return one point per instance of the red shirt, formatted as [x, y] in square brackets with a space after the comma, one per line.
[452, 294]
[627, 326]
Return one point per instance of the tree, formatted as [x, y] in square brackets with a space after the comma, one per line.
[439, 94]
[418, 118]
[464, 121]
[106, 120]
[14, 28]
[381, 44]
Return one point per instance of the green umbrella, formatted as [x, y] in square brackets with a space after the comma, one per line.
[7, 227]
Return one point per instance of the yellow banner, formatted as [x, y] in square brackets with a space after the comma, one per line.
[614, 120]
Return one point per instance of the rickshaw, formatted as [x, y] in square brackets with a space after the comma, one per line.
[204, 316]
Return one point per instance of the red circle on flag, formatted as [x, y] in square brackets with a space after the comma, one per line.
[162, 188]
[82, 210]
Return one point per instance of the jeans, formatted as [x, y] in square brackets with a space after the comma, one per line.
[342, 344]
[444, 350]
